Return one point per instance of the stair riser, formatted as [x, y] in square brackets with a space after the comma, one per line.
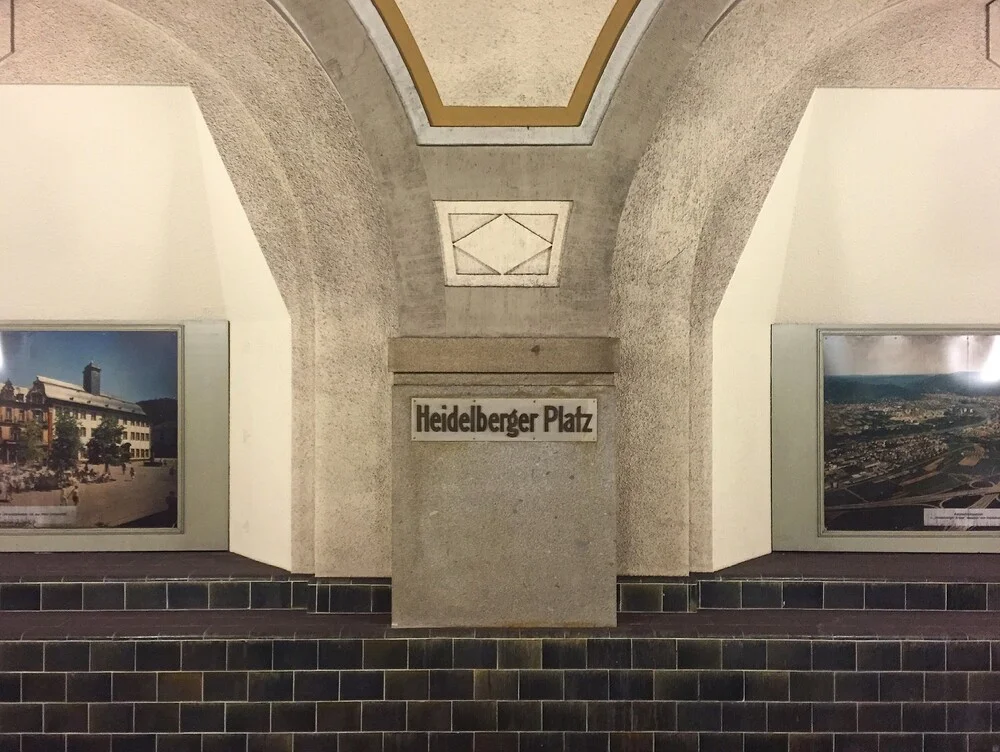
[835, 595]
[563, 695]
[375, 596]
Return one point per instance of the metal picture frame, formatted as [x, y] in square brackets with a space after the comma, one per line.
[202, 469]
[798, 451]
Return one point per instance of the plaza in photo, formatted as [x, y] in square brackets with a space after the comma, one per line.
[88, 429]
[911, 432]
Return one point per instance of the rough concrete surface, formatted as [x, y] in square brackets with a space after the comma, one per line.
[495, 533]
[410, 178]
[523, 355]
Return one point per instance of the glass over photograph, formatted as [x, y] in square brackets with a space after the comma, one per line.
[911, 432]
[88, 429]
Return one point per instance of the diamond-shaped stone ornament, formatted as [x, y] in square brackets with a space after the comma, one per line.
[503, 244]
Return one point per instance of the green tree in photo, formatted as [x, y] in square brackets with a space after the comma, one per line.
[104, 447]
[66, 445]
[125, 453]
[30, 447]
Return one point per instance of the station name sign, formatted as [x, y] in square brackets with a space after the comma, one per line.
[488, 419]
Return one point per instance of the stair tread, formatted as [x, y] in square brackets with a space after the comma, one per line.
[91, 566]
[823, 565]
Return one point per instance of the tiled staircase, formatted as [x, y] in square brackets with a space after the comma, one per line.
[221, 654]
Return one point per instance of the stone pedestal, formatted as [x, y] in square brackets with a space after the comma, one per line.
[503, 533]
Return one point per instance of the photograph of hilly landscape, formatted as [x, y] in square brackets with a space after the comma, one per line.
[911, 432]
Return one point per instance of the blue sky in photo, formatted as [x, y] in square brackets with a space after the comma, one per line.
[135, 365]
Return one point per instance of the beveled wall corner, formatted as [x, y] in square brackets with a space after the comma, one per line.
[992, 31]
[6, 29]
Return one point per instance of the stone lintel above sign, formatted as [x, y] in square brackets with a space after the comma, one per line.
[503, 355]
[491, 419]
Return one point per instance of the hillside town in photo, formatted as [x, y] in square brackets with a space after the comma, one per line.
[911, 432]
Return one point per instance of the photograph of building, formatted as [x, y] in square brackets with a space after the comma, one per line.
[911, 428]
[75, 445]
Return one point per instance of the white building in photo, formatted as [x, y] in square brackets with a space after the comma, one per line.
[16, 410]
[88, 406]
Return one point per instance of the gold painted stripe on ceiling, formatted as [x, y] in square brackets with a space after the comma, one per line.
[441, 115]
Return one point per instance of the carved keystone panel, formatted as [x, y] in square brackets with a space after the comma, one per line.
[502, 243]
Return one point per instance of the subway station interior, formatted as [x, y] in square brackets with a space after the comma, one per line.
[499, 376]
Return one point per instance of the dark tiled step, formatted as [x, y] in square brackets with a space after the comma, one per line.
[149, 595]
[199, 581]
[343, 597]
[848, 595]
[357, 596]
[672, 595]
[820, 623]
[975, 664]
[375, 595]
[574, 716]
[651, 595]
[820, 580]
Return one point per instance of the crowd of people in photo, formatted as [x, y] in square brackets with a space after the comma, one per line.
[19, 479]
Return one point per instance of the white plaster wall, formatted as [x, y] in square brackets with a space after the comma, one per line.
[102, 195]
[883, 212]
[896, 220]
[741, 374]
[115, 205]
[260, 375]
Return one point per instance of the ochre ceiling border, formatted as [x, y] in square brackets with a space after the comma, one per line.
[451, 116]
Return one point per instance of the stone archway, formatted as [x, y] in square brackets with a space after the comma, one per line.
[693, 203]
[294, 157]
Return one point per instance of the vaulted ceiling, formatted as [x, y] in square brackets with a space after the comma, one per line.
[505, 73]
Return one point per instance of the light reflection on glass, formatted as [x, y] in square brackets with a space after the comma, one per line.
[990, 372]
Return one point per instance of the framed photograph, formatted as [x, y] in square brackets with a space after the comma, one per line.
[88, 429]
[911, 431]
[103, 430]
[897, 430]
